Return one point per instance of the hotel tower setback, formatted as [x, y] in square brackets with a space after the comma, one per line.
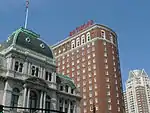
[90, 57]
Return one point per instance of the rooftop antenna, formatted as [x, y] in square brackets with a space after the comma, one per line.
[26, 19]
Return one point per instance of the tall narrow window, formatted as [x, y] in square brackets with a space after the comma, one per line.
[73, 44]
[50, 76]
[48, 103]
[88, 36]
[33, 70]
[16, 66]
[82, 39]
[21, 66]
[111, 38]
[37, 71]
[66, 88]
[78, 42]
[46, 75]
[103, 34]
[15, 98]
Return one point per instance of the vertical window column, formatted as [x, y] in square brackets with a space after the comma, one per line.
[44, 101]
[69, 106]
[41, 99]
[28, 97]
[24, 97]
[63, 105]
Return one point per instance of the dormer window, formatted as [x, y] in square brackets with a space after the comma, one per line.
[103, 34]
[28, 39]
[82, 39]
[78, 42]
[73, 44]
[88, 36]
[42, 46]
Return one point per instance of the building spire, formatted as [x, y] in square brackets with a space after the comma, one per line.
[26, 18]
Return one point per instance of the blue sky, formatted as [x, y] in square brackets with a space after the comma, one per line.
[54, 19]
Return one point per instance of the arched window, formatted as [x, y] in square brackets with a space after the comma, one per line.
[73, 44]
[66, 88]
[33, 100]
[88, 37]
[82, 39]
[48, 103]
[78, 42]
[15, 97]
[103, 34]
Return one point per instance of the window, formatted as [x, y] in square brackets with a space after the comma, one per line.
[105, 54]
[72, 90]
[48, 104]
[33, 70]
[48, 76]
[96, 100]
[18, 67]
[109, 107]
[73, 44]
[66, 88]
[111, 38]
[78, 42]
[61, 88]
[82, 39]
[15, 97]
[88, 36]
[103, 34]
[33, 101]
[37, 72]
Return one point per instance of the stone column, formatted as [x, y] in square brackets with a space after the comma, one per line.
[5, 92]
[24, 97]
[29, 68]
[25, 68]
[69, 106]
[28, 97]
[41, 100]
[64, 105]
[44, 101]
[10, 62]
[43, 74]
[74, 108]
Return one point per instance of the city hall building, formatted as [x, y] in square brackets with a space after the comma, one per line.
[28, 76]
[90, 56]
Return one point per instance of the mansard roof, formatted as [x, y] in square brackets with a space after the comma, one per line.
[29, 40]
[66, 80]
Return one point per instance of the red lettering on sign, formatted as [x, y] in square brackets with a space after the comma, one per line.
[82, 27]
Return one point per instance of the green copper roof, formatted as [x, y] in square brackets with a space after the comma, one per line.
[29, 40]
[68, 80]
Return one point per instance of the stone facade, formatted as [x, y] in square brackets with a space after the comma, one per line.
[28, 76]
